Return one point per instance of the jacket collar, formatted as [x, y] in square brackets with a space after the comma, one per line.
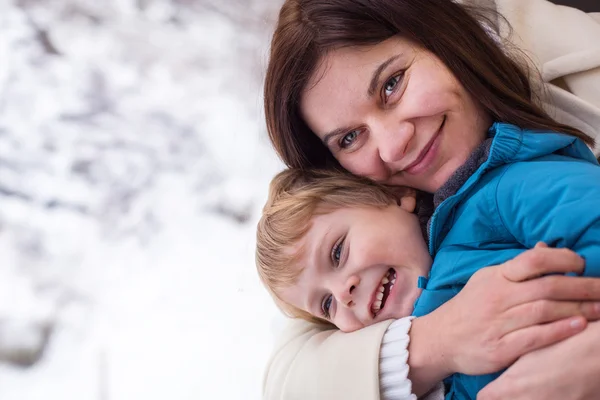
[509, 144]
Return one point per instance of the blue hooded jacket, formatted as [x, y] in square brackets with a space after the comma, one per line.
[534, 186]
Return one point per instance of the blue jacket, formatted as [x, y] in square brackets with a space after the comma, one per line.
[534, 186]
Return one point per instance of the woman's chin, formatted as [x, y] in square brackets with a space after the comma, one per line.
[444, 173]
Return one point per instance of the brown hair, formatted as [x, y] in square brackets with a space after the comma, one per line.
[295, 197]
[308, 29]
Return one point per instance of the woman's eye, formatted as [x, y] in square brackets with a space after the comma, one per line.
[390, 85]
[349, 139]
[336, 252]
[326, 306]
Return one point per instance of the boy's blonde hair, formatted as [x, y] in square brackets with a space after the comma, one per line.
[295, 197]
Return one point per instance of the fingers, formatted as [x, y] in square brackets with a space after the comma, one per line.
[493, 391]
[558, 287]
[544, 311]
[523, 341]
[542, 260]
[496, 391]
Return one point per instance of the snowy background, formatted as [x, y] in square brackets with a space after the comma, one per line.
[133, 167]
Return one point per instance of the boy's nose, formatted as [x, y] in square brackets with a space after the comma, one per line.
[346, 291]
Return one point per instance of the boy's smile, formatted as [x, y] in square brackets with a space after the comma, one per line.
[360, 265]
[383, 291]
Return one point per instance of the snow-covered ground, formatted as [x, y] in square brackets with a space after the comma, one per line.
[133, 167]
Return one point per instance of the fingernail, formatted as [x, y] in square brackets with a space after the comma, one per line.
[597, 307]
[576, 323]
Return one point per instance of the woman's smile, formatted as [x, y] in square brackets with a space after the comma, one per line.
[427, 156]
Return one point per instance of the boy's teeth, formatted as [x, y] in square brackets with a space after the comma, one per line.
[379, 296]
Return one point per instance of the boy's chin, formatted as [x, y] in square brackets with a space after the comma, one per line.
[399, 310]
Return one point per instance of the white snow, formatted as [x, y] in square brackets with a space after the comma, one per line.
[133, 167]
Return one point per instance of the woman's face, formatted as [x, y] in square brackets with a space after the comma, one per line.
[393, 112]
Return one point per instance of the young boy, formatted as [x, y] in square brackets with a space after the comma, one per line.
[339, 249]
[344, 250]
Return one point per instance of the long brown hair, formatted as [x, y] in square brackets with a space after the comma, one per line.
[308, 29]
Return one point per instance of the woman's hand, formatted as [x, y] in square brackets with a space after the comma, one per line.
[502, 313]
[568, 370]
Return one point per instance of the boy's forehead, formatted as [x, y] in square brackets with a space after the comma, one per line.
[305, 252]
[297, 294]
[299, 252]
[301, 290]
[296, 253]
[312, 248]
[317, 229]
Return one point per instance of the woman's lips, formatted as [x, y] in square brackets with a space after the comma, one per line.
[427, 155]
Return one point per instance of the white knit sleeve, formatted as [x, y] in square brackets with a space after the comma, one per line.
[393, 365]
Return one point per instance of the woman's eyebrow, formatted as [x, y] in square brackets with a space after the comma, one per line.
[377, 74]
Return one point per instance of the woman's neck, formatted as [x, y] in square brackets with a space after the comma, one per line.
[463, 173]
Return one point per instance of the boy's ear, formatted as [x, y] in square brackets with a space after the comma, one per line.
[407, 200]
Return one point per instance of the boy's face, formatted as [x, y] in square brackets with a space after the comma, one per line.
[361, 266]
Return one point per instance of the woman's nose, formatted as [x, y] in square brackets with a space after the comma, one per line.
[345, 291]
[393, 140]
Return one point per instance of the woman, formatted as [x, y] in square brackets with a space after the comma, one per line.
[402, 92]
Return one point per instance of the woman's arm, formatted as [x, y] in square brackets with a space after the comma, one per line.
[464, 335]
[502, 313]
[312, 362]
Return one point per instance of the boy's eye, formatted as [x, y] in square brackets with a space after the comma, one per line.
[326, 306]
[336, 252]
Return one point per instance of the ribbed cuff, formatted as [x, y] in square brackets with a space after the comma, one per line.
[393, 365]
[393, 362]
